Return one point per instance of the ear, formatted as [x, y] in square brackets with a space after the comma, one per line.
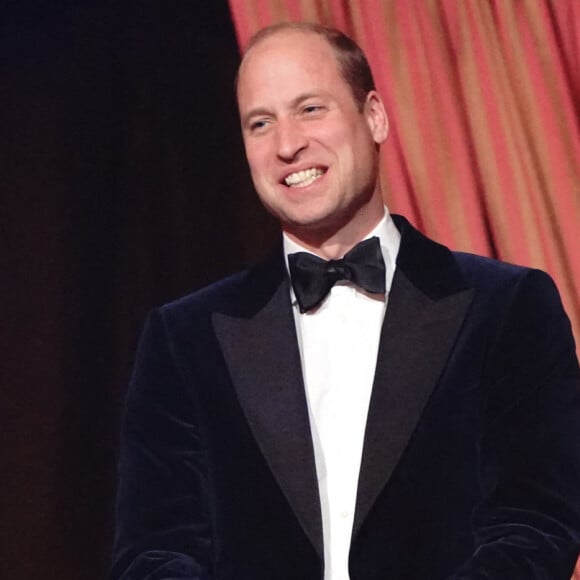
[376, 116]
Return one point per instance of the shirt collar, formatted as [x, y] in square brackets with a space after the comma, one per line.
[385, 230]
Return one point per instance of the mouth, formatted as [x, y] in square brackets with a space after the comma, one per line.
[304, 178]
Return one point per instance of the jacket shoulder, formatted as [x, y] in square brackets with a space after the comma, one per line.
[489, 273]
[240, 294]
[210, 298]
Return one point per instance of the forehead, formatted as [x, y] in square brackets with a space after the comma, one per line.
[287, 61]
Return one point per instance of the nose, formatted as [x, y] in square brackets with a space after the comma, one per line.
[291, 139]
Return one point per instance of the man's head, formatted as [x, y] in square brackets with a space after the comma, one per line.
[311, 129]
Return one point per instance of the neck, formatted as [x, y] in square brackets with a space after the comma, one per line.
[334, 242]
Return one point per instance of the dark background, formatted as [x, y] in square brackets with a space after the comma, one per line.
[122, 186]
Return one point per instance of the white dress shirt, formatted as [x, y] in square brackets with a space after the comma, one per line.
[338, 344]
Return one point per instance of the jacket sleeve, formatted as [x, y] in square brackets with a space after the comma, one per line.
[528, 526]
[162, 522]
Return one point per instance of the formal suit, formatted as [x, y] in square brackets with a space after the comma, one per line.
[471, 462]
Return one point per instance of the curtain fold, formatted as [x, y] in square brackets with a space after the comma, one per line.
[484, 151]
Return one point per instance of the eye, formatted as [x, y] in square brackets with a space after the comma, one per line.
[312, 109]
[258, 124]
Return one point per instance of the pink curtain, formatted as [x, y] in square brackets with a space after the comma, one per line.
[483, 97]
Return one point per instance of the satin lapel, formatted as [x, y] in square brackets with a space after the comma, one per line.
[261, 352]
[417, 336]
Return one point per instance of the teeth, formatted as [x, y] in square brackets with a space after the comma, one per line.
[303, 178]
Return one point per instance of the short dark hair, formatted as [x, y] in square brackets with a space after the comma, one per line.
[352, 62]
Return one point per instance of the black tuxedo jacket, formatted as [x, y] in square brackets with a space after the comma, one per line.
[470, 468]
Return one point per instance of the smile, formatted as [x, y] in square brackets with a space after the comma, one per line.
[303, 178]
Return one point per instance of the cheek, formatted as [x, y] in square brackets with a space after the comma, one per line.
[341, 138]
[257, 167]
[258, 159]
[348, 154]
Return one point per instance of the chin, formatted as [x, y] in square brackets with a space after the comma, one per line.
[310, 218]
[313, 225]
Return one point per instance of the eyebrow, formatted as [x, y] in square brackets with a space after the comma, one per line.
[258, 111]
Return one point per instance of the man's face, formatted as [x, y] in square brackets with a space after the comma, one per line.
[312, 153]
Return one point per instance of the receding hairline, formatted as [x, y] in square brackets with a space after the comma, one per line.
[350, 58]
[282, 27]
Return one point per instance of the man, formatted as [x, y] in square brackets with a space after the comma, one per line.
[404, 413]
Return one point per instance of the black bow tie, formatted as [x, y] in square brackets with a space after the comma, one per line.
[312, 277]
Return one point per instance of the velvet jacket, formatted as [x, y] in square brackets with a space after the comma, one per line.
[471, 461]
